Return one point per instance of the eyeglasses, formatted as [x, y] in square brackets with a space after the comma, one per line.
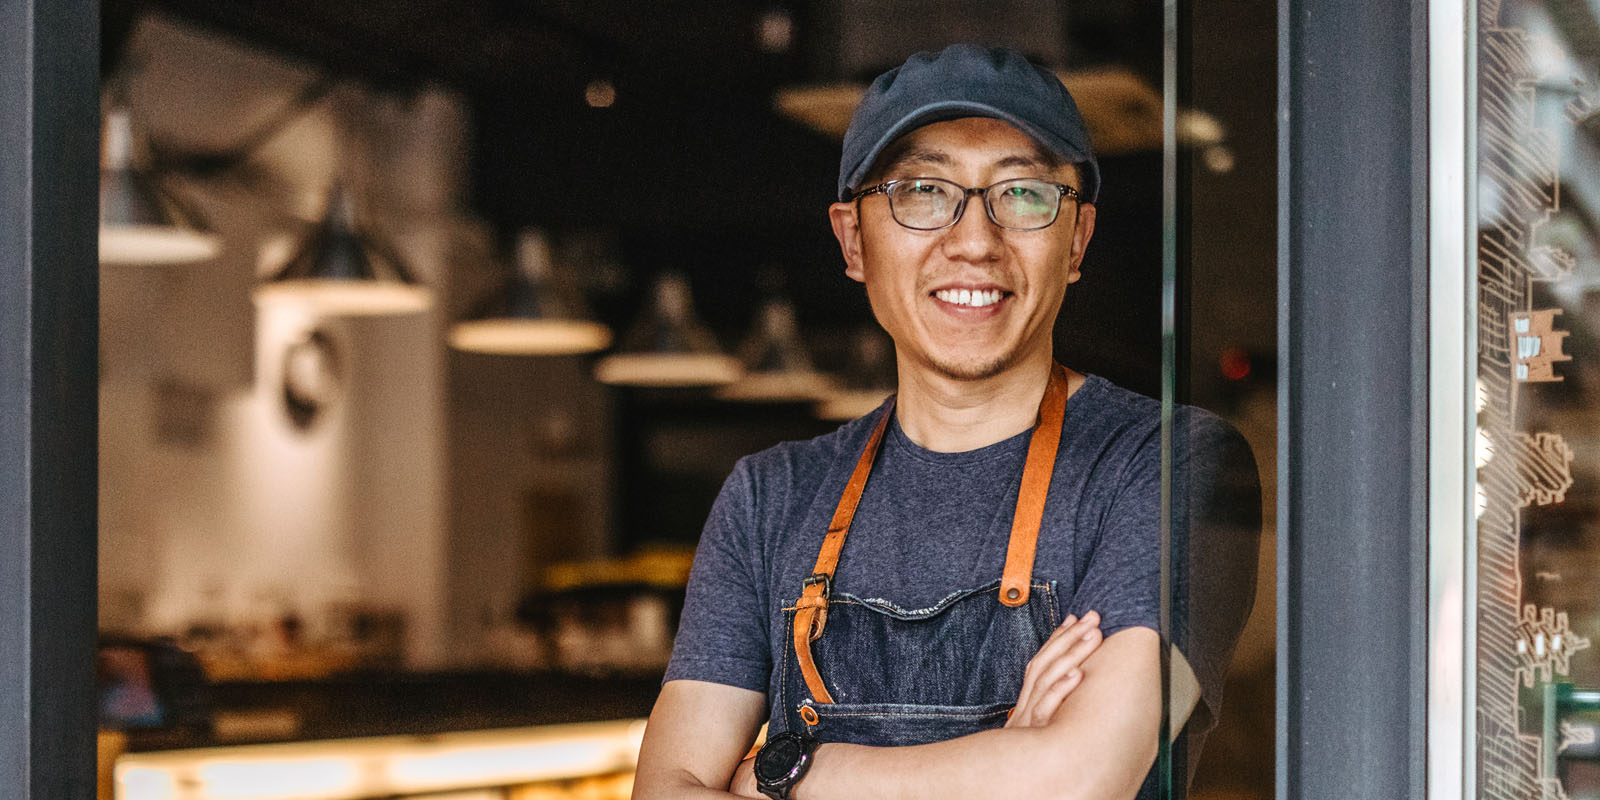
[928, 204]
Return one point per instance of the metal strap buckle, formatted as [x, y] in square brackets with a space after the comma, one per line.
[822, 578]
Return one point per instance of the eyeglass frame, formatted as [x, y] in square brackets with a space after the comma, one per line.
[966, 197]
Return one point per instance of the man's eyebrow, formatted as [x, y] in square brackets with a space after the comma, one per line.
[938, 158]
[912, 156]
[1029, 160]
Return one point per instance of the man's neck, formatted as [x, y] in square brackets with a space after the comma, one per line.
[948, 415]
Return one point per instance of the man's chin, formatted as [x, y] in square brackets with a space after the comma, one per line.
[972, 369]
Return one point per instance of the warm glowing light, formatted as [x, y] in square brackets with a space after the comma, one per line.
[530, 337]
[348, 297]
[356, 769]
[1218, 158]
[515, 763]
[1480, 501]
[1481, 395]
[775, 31]
[269, 779]
[140, 783]
[147, 245]
[668, 369]
[1197, 128]
[600, 94]
[1234, 363]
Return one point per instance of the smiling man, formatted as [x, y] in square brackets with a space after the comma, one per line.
[958, 595]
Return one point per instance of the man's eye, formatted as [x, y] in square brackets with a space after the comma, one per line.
[920, 187]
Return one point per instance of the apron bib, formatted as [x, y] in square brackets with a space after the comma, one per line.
[864, 671]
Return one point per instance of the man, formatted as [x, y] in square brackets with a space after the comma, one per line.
[957, 595]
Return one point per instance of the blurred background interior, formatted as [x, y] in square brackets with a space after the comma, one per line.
[430, 329]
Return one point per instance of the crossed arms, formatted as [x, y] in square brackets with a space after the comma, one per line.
[1086, 726]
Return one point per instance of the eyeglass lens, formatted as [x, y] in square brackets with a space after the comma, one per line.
[931, 203]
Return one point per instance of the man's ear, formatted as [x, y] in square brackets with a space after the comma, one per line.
[847, 229]
[1082, 231]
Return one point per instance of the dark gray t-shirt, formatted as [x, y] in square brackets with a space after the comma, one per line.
[932, 523]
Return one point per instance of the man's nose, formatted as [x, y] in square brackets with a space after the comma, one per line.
[974, 237]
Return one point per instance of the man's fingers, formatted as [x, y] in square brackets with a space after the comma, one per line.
[1046, 672]
[1050, 698]
[1068, 632]
[1053, 672]
[1073, 645]
[1045, 700]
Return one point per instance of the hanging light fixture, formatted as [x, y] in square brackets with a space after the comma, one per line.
[669, 346]
[140, 223]
[342, 270]
[777, 368]
[869, 378]
[539, 314]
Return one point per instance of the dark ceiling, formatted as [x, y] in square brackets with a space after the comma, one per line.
[692, 167]
[692, 128]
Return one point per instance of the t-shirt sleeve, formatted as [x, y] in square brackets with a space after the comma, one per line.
[1216, 506]
[722, 634]
[1122, 582]
[1216, 514]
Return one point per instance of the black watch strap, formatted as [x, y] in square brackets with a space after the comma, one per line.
[782, 762]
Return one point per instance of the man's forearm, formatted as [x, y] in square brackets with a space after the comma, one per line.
[1007, 763]
[1099, 745]
[661, 787]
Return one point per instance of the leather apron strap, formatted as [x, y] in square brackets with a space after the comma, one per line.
[811, 614]
[813, 604]
[1036, 473]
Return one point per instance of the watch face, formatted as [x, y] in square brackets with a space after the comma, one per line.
[777, 759]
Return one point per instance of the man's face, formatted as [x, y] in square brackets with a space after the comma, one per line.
[935, 291]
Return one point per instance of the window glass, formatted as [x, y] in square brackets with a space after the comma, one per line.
[1537, 709]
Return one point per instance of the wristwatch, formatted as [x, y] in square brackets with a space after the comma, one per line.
[782, 762]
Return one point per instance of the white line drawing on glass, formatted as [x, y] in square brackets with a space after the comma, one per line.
[1574, 735]
[1545, 644]
[1543, 469]
[1518, 191]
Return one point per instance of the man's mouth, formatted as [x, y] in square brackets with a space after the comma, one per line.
[971, 298]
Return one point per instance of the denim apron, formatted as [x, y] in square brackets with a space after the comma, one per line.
[866, 671]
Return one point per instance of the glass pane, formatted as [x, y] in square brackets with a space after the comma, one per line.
[1538, 403]
[1219, 388]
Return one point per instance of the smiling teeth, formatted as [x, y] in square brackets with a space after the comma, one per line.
[967, 297]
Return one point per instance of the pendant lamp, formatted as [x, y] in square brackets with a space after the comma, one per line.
[869, 378]
[540, 312]
[777, 368]
[343, 270]
[140, 223]
[669, 346]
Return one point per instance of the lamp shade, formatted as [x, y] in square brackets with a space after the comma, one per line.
[341, 270]
[140, 223]
[777, 368]
[669, 346]
[538, 313]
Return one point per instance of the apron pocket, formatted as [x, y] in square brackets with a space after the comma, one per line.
[901, 724]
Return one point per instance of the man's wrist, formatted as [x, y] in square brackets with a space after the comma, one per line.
[783, 762]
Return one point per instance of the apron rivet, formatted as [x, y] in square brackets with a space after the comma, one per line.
[1012, 594]
[808, 714]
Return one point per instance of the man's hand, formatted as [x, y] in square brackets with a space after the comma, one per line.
[1054, 672]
